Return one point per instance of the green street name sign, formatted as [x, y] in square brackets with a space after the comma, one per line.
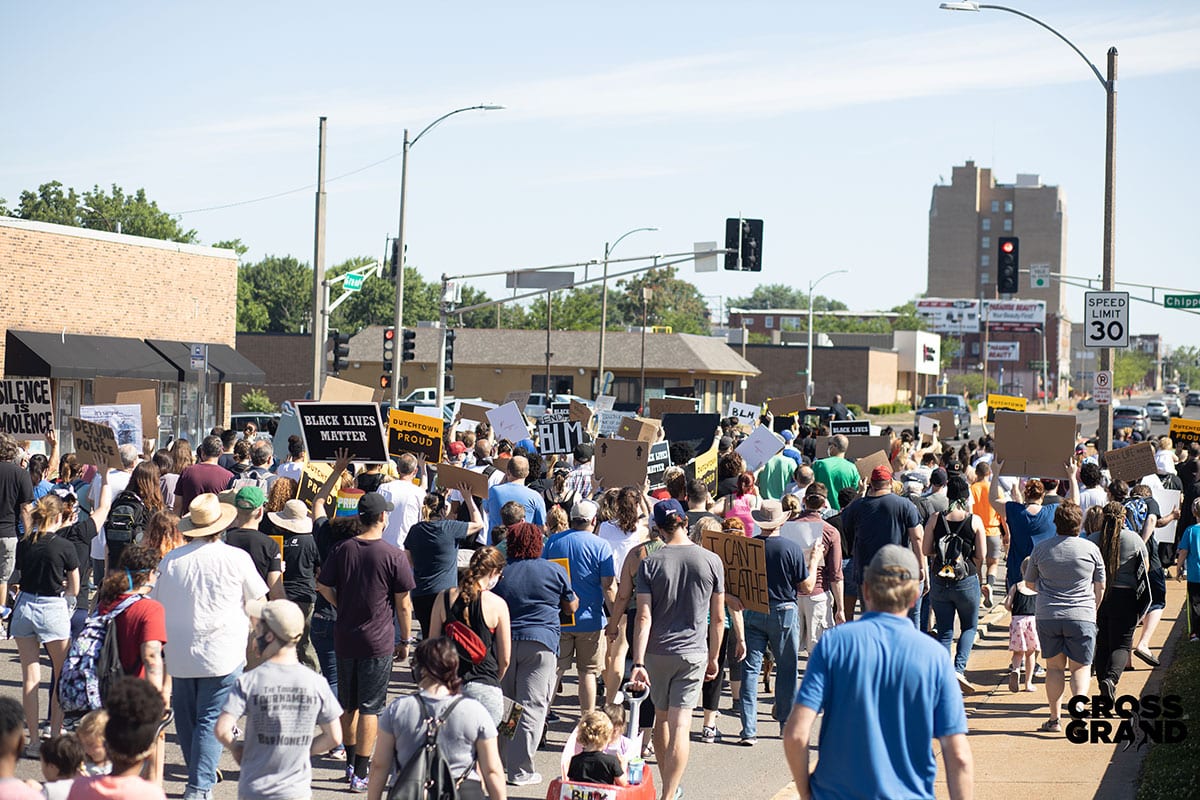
[353, 282]
[1181, 300]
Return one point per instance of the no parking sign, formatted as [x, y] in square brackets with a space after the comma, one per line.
[1102, 387]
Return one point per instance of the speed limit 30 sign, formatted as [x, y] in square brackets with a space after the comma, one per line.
[1106, 319]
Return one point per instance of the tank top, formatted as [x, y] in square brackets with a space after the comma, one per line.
[487, 671]
[740, 507]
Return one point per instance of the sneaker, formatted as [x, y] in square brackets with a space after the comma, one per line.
[1039, 671]
[964, 684]
[748, 741]
[708, 734]
[338, 753]
[1108, 689]
[359, 785]
[528, 779]
[349, 772]
[552, 717]
[1014, 679]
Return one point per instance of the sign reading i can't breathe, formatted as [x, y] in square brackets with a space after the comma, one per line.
[25, 408]
[328, 427]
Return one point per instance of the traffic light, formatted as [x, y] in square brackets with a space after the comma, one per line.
[389, 349]
[395, 262]
[449, 384]
[385, 381]
[341, 350]
[408, 348]
[743, 244]
[1008, 264]
[450, 350]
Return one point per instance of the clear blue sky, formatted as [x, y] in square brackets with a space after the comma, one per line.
[830, 121]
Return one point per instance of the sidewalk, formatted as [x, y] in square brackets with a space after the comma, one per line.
[1012, 758]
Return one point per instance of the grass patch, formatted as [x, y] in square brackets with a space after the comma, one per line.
[1173, 770]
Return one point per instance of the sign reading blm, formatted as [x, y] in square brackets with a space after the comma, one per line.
[560, 437]
[25, 408]
[328, 427]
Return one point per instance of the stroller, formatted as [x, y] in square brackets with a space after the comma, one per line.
[563, 789]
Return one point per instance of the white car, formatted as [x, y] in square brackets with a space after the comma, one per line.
[1157, 411]
[1174, 407]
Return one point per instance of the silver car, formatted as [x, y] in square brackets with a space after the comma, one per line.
[1174, 407]
[1157, 411]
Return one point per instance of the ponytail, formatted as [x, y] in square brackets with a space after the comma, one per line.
[485, 561]
[45, 511]
[1110, 540]
[434, 506]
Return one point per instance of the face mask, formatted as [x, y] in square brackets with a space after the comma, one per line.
[260, 641]
[492, 583]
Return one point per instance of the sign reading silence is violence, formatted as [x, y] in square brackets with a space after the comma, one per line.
[328, 427]
[25, 408]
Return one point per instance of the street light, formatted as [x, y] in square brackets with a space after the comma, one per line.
[1110, 181]
[808, 369]
[604, 305]
[114, 227]
[397, 383]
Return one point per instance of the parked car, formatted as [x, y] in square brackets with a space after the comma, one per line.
[1193, 399]
[1087, 404]
[1174, 405]
[265, 423]
[425, 396]
[1171, 388]
[1157, 411]
[1132, 417]
[943, 402]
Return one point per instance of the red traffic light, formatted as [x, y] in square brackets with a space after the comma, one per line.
[1006, 247]
[389, 334]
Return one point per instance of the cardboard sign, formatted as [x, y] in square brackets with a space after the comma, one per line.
[639, 429]
[703, 468]
[565, 618]
[1035, 445]
[579, 412]
[661, 406]
[857, 446]
[312, 478]
[759, 447]
[26, 408]
[1168, 500]
[1184, 431]
[1002, 402]
[519, 398]
[508, 422]
[147, 401]
[125, 421]
[414, 433]
[943, 419]
[745, 413]
[656, 465]
[850, 427]
[789, 404]
[450, 477]
[336, 390]
[560, 437]
[328, 427]
[608, 423]
[473, 412]
[868, 463]
[697, 431]
[745, 561]
[95, 443]
[1131, 463]
[621, 463]
[805, 533]
[289, 425]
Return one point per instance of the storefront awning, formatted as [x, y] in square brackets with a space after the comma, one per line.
[229, 365]
[71, 355]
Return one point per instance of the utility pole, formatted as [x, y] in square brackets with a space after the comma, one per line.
[398, 321]
[1110, 191]
[320, 322]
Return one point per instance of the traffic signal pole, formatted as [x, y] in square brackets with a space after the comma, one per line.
[319, 315]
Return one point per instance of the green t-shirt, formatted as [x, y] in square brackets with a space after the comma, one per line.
[837, 473]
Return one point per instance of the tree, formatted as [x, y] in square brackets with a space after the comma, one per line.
[134, 214]
[236, 245]
[1130, 368]
[257, 400]
[674, 302]
[779, 295]
[951, 347]
[275, 295]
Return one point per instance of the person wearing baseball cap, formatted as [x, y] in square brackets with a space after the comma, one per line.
[280, 695]
[861, 669]
[593, 577]
[244, 534]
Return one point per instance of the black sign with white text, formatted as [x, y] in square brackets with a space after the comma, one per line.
[328, 427]
[850, 427]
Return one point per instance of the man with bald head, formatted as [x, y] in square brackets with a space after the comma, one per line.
[802, 478]
[513, 489]
[837, 472]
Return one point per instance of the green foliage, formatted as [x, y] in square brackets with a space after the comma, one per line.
[1182, 364]
[673, 302]
[1130, 367]
[908, 319]
[1173, 770]
[780, 295]
[135, 214]
[888, 409]
[951, 347]
[236, 245]
[971, 383]
[274, 295]
[256, 400]
[855, 409]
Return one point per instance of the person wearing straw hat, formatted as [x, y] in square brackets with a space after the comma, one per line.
[205, 586]
[779, 629]
[301, 557]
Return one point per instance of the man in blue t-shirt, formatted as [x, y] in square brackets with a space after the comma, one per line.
[513, 489]
[891, 691]
[589, 563]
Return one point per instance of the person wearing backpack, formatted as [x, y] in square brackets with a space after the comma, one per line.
[130, 513]
[437, 738]
[956, 541]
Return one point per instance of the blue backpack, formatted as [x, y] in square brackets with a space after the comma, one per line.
[93, 663]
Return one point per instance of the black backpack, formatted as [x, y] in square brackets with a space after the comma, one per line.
[427, 774]
[954, 553]
[126, 519]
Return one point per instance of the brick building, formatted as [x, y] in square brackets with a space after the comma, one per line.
[100, 313]
[866, 375]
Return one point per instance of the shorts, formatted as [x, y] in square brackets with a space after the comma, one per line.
[363, 683]
[585, 650]
[994, 547]
[47, 618]
[8, 560]
[1074, 637]
[1023, 635]
[1158, 589]
[675, 680]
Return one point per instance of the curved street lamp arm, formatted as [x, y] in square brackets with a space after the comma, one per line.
[1069, 43]
[433, 124]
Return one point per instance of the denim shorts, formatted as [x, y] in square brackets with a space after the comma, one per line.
[1076, 638]
[363, 683]
[47, 618]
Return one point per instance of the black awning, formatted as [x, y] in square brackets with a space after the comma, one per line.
[229, 365]
[72, 355]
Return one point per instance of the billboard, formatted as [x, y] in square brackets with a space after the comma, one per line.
[950, 316]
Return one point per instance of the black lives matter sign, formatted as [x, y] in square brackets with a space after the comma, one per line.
[559, 437]
[328, 427]
[25, 408]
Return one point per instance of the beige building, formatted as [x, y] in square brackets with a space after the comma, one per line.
[100, 313]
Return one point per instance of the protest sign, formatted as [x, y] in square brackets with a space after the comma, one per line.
[579, 412]
[620, 462]
[147, 401]
[788, 404]
[565, 617]
[1035, 445]
[661, 406]
[805, 533]
[336, 390]
[26, 410]
[639, 429]
[758, 448]
[409, 432]
[784, 423]
[328, 427]
[657, 463]
[605, 402]
[519, 398]
[1002, 402]
[312, 478]
[697, 431]
[451, 477]
[867, 464]
[703, 468]
[857, 446]
[474, 412]
[850, 427]
[125, 421]
[95, 443]
[745, 562]
[608, 423]
[1168, 500]
[508, 422]
[1184, 431]
[1131, 463]
[943, 419]
[560, 437]
[746, 414]
[289, 425]
[555, 415]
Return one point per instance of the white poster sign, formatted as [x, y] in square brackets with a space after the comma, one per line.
[759, 447]
[508, 422]
[125, 421]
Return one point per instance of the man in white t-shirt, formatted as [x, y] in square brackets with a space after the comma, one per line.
[1093, 493]
[205, 586]
[118, 481]
[406, 497]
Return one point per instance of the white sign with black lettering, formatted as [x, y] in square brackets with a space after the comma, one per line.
[560, 436]
[1102, 387]
[1106, 319]
[745, 413]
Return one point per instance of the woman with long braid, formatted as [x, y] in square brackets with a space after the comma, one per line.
[1124, 554]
